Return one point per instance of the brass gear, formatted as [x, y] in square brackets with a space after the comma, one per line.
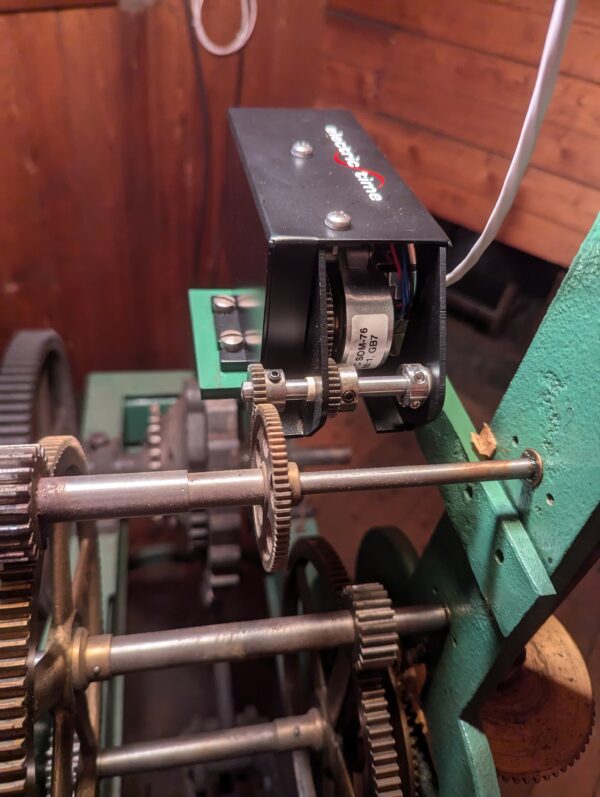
[20, 553]
[335, 387]
[540, 719]
[75, 601]
[258, 378]
[272, 518]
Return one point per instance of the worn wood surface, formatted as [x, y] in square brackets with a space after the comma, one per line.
[443, 87]
[111, 173]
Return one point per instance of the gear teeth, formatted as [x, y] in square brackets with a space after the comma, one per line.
[24, 361]
[384, 769]
[60, 445]
[154, 438]
[272, 520]
[330, 316]
[323, 556]
[335, 388]
[378, 643]
[20, 467]
[258, 378]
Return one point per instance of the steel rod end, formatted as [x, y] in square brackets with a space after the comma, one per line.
[533, 456]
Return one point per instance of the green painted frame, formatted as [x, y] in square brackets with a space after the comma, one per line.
[504, 554]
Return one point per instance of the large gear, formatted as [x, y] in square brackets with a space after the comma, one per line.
[541, 717]
[20, 553]
[272, 518]
[378, 643]
[36, 393]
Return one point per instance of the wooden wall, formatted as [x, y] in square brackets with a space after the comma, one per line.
[110, 171]
[444, 85]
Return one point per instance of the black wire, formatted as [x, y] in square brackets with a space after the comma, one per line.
[206, 146]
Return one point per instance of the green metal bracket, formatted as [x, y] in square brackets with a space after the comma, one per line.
[503, 554]
[214, 382]
[116, 402]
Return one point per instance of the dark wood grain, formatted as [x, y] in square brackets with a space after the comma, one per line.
[103, 167]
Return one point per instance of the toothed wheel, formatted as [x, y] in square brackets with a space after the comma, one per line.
[330, 315]
[378, 644]
[540, 719]
[154, 438]
[36, 393]
[273, 517]
[335, 388]
[20, 553]
[258, 379]
[75, 606]
[383, 769]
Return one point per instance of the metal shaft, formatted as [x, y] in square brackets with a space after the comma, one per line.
[169, 492]
[416, 475]
[290, 733]
[300, 389]
[105, 656]
[148, 493]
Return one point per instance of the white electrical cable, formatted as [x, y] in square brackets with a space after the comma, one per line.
[560, 21]
[248, 16]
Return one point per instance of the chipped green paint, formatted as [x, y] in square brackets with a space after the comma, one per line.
[504, 553]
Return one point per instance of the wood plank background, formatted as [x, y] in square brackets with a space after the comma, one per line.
[112, 150]
[108, 166]
[443, 86]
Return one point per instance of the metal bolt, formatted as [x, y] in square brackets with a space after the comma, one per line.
[419, 376]
[275, 375]
[98, 440]
[231, 340]
[247, 301]
[223, 304]
[348, 396]
[414, 405]
[253, 338]
[302, 149]
[338, 220]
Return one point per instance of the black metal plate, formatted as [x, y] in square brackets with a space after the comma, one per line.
[294, 195]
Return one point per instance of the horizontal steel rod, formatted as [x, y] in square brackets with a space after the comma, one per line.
[169, 492]
[106, 656]
[149, 493]
[290, 733]
[416, 475]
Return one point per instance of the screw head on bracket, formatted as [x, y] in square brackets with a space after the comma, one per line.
[302, 149]
[223, 304]
[231, 340]
[338, 220]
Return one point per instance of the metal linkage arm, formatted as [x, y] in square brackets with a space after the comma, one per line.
[97, 658]
[170, 492]
[306, 731]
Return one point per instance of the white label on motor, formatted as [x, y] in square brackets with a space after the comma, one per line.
[367, 346]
